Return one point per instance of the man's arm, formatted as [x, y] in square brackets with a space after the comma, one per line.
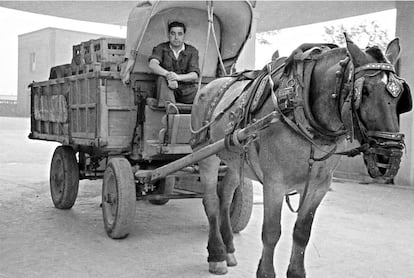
[155, 67]
[192, 68]
[182, 77]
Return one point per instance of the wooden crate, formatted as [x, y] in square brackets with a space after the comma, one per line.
[87, 52]
[102, 50]
[60, 71]
[77, 56]
[109, 50]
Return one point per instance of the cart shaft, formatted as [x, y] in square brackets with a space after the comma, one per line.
[207, 151]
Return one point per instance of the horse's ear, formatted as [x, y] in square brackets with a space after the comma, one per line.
[358, 57]
[393, 51]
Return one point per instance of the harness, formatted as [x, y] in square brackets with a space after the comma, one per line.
[290, 97]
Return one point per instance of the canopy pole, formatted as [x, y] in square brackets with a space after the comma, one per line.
[145, 28]
[210, 15]
[216, 43]
[131, 64]
[205, 50]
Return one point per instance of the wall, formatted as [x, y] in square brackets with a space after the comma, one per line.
[405, 31]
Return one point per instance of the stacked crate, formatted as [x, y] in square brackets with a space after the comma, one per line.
[103, 54]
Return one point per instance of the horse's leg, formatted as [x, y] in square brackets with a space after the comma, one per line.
[273, 200]
[226, 192]
[302, 230]
[216, 248]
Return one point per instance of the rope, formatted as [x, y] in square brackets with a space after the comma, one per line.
[305, 190]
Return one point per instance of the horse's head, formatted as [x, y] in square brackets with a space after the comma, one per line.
[379, 97]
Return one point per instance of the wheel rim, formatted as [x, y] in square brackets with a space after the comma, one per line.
[58, 178]
[110, 201]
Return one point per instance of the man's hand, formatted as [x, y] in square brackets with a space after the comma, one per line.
[172, 84]
[172, 76]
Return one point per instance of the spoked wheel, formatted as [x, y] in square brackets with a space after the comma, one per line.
[241, 206]
[118, 198]
[64, 177]
[164, 186]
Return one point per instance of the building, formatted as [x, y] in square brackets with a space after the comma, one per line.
[38, 52]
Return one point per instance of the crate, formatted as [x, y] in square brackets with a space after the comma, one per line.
[77, 56]
[107, 50]
[93, 109]
[60, 71]
[95, 67]
[88, 53]
[102, 50]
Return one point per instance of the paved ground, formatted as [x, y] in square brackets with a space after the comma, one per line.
[360, 230]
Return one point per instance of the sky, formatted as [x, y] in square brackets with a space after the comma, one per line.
[14, 23]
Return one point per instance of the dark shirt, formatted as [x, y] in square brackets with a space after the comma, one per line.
[187, 59]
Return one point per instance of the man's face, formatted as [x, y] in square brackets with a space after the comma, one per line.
[176, 36]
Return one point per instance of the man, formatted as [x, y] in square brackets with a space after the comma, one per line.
[177, 63]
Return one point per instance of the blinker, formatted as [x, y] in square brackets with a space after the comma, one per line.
[394, 86]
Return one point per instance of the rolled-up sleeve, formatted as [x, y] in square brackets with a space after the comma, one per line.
[156, 53]
[193, 63]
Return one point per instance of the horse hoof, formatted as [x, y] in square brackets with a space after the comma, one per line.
[231, 259]
[218, 268]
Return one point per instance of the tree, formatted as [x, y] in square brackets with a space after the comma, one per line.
[370, 33]
[264, 37]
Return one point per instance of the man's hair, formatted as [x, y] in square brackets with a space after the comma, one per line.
[176, 24]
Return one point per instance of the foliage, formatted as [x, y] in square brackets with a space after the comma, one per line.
[369, 33]
[263, 38]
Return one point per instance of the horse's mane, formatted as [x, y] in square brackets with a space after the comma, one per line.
[374, 51]
[335, 53]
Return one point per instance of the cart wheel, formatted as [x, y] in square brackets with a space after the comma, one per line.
[164, 186]
[118, 198]
[241, 206]
[64, 177]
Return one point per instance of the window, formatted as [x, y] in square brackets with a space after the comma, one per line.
[32, 61]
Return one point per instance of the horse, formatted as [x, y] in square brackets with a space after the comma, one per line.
[323, 95]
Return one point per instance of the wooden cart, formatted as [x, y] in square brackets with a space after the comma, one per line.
[117, 133]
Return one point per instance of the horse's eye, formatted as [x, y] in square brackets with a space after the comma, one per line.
[365, 92]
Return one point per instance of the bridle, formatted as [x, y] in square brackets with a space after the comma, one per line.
[374, 144]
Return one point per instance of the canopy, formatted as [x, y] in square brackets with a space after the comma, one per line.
[148, 26]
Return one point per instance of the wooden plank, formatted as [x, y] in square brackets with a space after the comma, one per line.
[83, 135]
[176, 149]
[118, 95]
[50, 137]
[179, 128]
[152, 124]
[119, 123]
[174, 130]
